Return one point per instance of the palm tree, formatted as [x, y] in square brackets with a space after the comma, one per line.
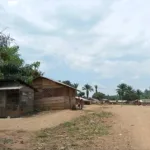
[96, 87]
[121, 90]
[75, 85]
[88, 88]
[129, 89]
[139, 93]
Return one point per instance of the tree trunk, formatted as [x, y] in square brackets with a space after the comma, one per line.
[87, 94]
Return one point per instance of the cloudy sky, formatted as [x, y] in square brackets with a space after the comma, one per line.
[103, 42]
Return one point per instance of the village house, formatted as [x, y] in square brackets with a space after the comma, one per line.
[53, 95]
[16, 98]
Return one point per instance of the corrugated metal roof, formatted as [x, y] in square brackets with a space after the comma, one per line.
[14, 80]
[10, 88]
[81, 98]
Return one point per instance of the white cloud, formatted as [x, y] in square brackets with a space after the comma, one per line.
[12, 2]
[114, 40]
[122, 81]
[136, 77]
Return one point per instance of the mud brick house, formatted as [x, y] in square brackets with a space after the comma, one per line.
[53, 95]
[16, 98]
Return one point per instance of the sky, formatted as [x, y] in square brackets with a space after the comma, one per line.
[102, 42]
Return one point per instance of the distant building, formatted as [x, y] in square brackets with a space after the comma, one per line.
[85, 101]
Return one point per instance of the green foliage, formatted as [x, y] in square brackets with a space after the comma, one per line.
[139, 93]
[145, 94]
[96, 88]
[12, 65]
[111, 97]
[98, 96]
[81, 94]
[88, 88]
[74, 85]
[121, 89]
[67, 82]
[126, 92]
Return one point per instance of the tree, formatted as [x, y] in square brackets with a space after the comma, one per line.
[126, 92]
[30, 72]
[121, 89]
[111, 97]
[75, 85]
[139, 93]
[88, 88]
[96, 87]
[130, 94]
[81, 94]
[129, 88]
[12, 65]
[67, 82]
[98, 95]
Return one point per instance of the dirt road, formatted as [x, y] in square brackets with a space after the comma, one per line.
[41, 121]
[136, 121]
[38, 122]
[131, 126]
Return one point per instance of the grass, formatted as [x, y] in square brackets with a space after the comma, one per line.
[75, 133]
[6, 141]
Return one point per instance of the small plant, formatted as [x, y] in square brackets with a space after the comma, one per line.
[68, 124]
[6, 141]
[42, 134]
[104, 114]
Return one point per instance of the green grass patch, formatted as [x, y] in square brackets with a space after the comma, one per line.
[76, 132]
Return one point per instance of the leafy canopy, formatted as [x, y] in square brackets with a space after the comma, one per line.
[88, 88]
[12, 66]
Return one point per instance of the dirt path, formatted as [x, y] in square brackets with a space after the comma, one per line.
[131, 125]
[38, 122]
[135, 120]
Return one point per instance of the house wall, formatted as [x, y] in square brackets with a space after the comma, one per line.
[69, 97]
[51, 95]
[2, 98]
[16, 102]
[26, 100]
[2, 103]
[50, 103]
[12, 103]
[24, 105]
[2, 112]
